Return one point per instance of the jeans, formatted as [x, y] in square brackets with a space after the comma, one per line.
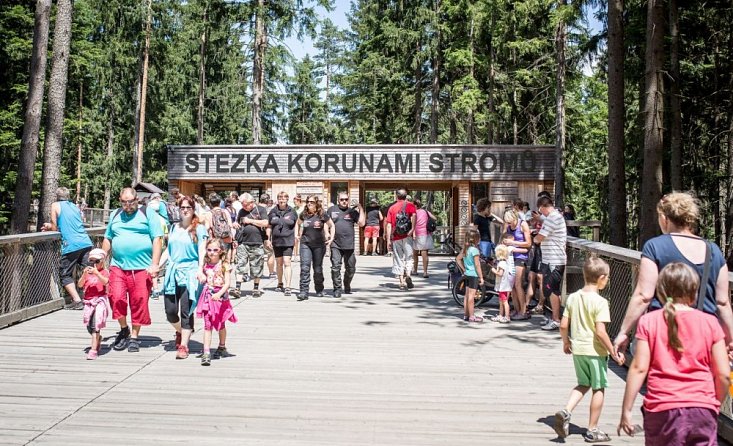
[485, 247]
[349, 259]
[314, 255]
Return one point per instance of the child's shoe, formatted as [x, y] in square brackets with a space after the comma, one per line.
[562, 423]
[206, 359]
[221, 352]
[182, 352]
[92, 354]
[475, 319]
[504, 320]
[596, 435]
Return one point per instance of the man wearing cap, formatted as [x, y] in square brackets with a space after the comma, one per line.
[75, 243]
[344, 218]
[135, 239]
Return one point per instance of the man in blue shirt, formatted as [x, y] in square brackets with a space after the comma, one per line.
[75, 243]
[135, 237]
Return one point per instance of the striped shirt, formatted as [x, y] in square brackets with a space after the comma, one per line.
[553, 245]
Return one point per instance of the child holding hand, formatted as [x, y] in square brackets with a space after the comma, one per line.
[583, 331]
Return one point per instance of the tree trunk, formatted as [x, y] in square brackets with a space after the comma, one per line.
[470, 127]
[110, 154]
[675, 124]
[78, 145]
[435, 94]
[417, 110]
[202, 83]
[560, 37]
[490, 88]
[32, 125]
[53, 145]
[143, 97]
[616, 113]
[728, 242]
[258, 72]
[651, 182]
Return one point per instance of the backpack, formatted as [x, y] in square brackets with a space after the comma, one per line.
[174, 213]
[402, 222]
[220, 225]
[432, 224]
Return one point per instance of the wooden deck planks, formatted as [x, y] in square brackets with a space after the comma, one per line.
[379, 367]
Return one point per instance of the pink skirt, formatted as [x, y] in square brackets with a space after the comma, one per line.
[215, 313]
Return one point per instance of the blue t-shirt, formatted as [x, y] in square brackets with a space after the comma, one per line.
[662, 251]
[181, 249]
[468, 262]
[73, 235]
[163, 212]
[132, 238]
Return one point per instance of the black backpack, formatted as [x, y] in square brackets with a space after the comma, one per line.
[174, 213]
[432, 225]
[402, 222]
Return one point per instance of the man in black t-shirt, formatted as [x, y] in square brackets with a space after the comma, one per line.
[251, 225]
[342, 248]
[482, 220]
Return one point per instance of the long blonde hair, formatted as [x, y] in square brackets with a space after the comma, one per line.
[677, 283]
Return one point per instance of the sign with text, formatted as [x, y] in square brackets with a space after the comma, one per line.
[367, 162]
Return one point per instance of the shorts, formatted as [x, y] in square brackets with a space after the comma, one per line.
[133, 286]
[534, 258]
[591, 371]
[552, 279]
[282, 251]
[678, 426]
[70, 261]
[520, 263]
[424, 242]
[225, 246]
[503, 296]
[250, 260]
[268, 251]
[371, 231]
[471, 282]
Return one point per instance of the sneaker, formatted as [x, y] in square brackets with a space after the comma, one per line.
[408, 281]
[178, 339]
[337, 293]
[182, 352]
[465, 318]
[562, 423]
[374, 254]
[279, 288]
[402, 287]
[302, 296]
[75, 305]
[245, 278]
[122, 339]
[256, 293]
[234, 293]
[155, 295]
[495, 318]
[552, 325]
[319, 294]
[221, 352]
[92, 355]
[596, 435]
[347, 290]
[206, 359]
[133, 346]
[286, 291]
[504, 320]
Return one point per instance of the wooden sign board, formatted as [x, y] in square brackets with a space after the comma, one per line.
[504, 190]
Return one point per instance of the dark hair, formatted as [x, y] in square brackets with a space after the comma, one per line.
[518, 203]
[482, 204]
[544, 202]
[264, 198]
[401, 193]
[319, 207]
[544, 193]
[214, 199]
[417, 203]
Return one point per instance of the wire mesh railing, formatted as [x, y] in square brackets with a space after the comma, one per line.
[29, 275]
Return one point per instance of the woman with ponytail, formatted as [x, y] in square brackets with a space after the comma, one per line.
[682, 354]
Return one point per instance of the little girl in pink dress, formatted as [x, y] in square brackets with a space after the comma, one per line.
[214, 306]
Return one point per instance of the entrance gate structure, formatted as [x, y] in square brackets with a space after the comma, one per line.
[470, 172]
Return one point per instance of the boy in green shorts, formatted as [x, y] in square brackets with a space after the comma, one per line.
[586, 315]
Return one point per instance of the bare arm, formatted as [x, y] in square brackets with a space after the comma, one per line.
[477, 263]
[329, 231]
[53, 224]
[565, 334]
[362, 216]
[723, 302]
[640, 300]
[634, 380]
[602, 335]
[527, 238]
[721, 370]
[413, 220]
[107, 246]
[388, 234]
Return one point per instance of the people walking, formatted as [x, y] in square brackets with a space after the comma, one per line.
[214, 306]
[75, 243]
[399, 233]
[374, 218]
[94, 282]
[344, 217]
[315, 232]
[186, 250]
[135, 240]
[251, 236]
[423, 237]
[681, 355]
[283, 220]
[552, 238]
[584, 335]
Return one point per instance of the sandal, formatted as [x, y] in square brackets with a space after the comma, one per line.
[539, 309]
[495, 318]
[596, 436]
[475, 319]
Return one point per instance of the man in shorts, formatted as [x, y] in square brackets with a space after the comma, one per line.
[371, 231]
[252, 224]
[75, 243]
[344, 218]
[135, 239]
[551, 238]
[401, 244]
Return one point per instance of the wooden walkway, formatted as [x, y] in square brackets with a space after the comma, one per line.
[379, 367]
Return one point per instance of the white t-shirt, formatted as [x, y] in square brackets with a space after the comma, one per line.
[506, 282]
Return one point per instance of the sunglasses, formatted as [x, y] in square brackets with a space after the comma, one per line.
[213, 249]
[343, 199]
[128, 202]
[96, 261]
[311, 202]
[185, 207]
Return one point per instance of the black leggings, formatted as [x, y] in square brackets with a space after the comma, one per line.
[179, 300]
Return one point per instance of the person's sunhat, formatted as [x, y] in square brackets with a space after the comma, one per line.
[97, 254]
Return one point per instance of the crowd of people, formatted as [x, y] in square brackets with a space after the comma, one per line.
[682, 351]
